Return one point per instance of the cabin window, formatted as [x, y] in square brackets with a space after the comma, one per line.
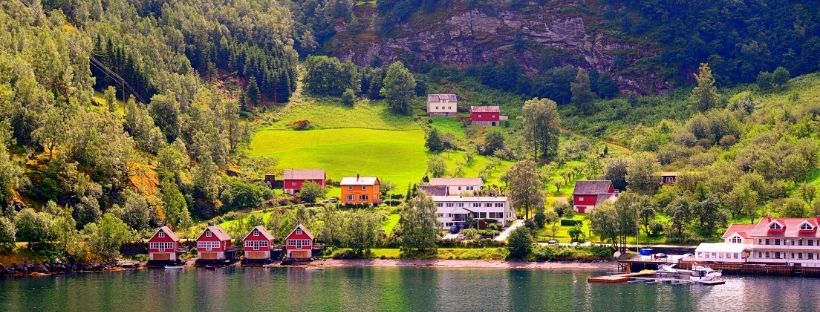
[459, 204]
[777, 241]
[737, 240]
[459, 188]
[777, 255]
[488, 204]
[800, 256]
[208, 234]
[482, 215]
[161, 245]
[800, 242]
[499, 205]
[811, 242]
[350, 187]
[767, 241]
[364, 187]
[580, 198]
[811, 256]
[161, 234]
[298, 231]
[362, 197]
[476, 205]
[775, 226]
[469, 188]
[806, 226]
[450, 204]
[255, 233]
[439, 205]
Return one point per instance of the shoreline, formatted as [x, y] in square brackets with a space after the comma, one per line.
[467, 264]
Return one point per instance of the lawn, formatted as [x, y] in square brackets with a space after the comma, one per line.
[449, 125]
[324, 114]
[391, 155]
[390, 223]
[458, 158]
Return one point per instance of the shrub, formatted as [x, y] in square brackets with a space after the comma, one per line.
[301, 125]
[570, 222]
[520, 243]
[349, 97]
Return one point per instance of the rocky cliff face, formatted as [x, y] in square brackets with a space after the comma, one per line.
[461, 36]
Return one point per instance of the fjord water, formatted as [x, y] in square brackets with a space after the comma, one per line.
[391, 289]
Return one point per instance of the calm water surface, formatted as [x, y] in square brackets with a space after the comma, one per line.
[392, 289]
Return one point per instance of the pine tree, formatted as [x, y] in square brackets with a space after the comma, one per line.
[582, 95]
[252, 93]
[704, 96]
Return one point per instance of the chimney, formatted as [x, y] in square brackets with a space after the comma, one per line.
[817, 219]
[768, 218]
[357, 177]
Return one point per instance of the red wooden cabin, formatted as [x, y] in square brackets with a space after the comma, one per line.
[258, 244]
[294, 178]
[212, 243]
[589, 194]
[485, 115]
[163, 245]
[299, 244]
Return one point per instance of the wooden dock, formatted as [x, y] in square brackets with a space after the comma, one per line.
[619, 278]
[646, 276]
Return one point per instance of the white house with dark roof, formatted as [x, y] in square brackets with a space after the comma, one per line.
[453, 210]
[458, 186]
[442, 104]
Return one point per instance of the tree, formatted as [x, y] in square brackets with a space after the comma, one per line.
[808, 192]
[362, 228]
[327, 76]
[252, 94]
[603, 221]
[780, 76]
[87, 211]
[709, 214]
[764, 80]
[11, 174]
[311, 191]
[793, 208]
[519, 244]
[680, 213]
[107, 237]
[615, 171]
[240, 195]
[704, 96]
[165, 110]
[135, 212]
[541, 127]
[333, 231]
[582, 95]
[493, 141]
[642, 170]
[436, 167]
[349, 97]
[742, 199]
[525, 186]
[110, 97]
[32, 226]
[433, 142]
[176, 209]
[419, 225]
[399, 89]
[8, 234]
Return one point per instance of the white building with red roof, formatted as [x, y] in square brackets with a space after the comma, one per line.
[771, 240]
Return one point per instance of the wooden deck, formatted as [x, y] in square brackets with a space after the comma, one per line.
[619, 278]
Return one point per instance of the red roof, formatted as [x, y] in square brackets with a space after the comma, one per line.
[742, 229]
[262, 231]
[168, 231]
[485, 109]
[304, 230]
[218, 232]
[792, 228]
[304, 174]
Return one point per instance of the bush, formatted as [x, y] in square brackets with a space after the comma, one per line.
[520, 243]
[349, 97]
[570, 222]
[300, 125]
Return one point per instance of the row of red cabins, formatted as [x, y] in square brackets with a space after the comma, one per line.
[214, 242]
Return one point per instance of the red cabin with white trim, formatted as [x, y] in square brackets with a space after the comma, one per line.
[299, 243]
[485, 115]
[163, 245]
[212, 243]
[294, 178]
[258, 244]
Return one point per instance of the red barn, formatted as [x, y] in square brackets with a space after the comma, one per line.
[258, 244]
[299, 243]
[163, 245]
[589, 194]
[485, 115]
[294, 178]
[212, 243]
[669, 177]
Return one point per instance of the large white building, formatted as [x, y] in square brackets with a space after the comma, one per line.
[772, 240]
[442, 104]
[458, 186]
[453, 210]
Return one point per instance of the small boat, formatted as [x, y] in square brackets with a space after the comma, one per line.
[210, 267]
[705, 274]
[174, 267]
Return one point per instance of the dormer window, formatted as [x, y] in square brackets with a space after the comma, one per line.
[298, 231]
[775, 226]
[208, 234]
[806, 226]
[736, 239]
[255, 233]
[161, 234]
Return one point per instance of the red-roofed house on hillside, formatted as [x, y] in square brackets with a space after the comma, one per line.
[213, 243]
[485, 115]
[299, 244]
[258, 244]
[163, 245]
[588, 194]
[294, 178]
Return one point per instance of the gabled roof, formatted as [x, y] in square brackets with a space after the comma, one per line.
[218, 232]
[359, 181]
[741, 229]
[456, 181]
[668, 174]
[441, 97]
[262, 231]
[792, 228]
[304, 174]
[434, 190]
[168, 231]
[592, 187]
[304, 230]
[485, 109]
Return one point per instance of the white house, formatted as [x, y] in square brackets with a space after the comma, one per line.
[722, 252]
[458, 186]
[453, 210]
[442, 104]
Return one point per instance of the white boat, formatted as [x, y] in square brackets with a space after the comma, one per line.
[174, 267]
[702, 273]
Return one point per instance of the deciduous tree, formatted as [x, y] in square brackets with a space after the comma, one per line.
[419, 226]
[541, 127]
[525, 186]
[704, 96]
[399, 89]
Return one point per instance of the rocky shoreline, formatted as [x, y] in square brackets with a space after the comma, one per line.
[46, 269]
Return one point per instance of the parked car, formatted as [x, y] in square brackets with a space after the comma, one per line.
[552, 242]
[660, 256]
